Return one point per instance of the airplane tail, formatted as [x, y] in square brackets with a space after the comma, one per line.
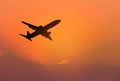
[26, 36]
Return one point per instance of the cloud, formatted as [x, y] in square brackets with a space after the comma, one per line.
[1, 53]
[14, 68]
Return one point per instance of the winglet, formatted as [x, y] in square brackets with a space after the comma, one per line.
[23, 22]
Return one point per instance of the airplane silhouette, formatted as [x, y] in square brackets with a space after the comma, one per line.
[40, 30]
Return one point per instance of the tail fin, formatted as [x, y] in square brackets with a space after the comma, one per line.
[28, 33]
[26, 36]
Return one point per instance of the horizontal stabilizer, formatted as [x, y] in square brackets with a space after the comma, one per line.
[25, 37]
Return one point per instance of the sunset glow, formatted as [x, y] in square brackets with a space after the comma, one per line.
[84, 26]
[85, 46]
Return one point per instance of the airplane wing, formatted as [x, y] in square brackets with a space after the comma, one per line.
[50, 25]
[30, 25]
[47, 36]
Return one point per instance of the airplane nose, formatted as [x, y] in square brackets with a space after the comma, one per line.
[59, 20]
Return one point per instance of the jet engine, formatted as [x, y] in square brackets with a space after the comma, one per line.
[49, 32]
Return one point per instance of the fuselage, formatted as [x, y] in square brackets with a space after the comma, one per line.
[38, 31]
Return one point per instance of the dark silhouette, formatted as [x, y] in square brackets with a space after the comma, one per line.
[40, 30]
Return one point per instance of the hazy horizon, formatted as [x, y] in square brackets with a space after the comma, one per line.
[85, 46]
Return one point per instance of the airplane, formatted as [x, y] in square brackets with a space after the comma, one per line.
[40, 30]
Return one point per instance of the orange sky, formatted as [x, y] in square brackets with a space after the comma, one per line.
[86, 25]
